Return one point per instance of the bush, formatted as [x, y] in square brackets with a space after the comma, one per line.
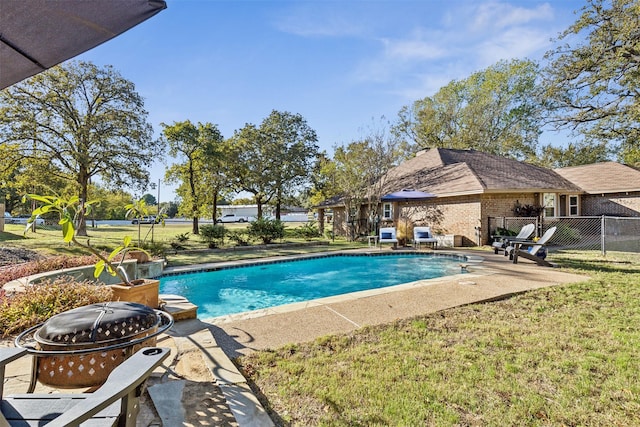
[39, 302]
[307, 231]
[182, 237]
[240, 237]
[213, 234]
[266, 230]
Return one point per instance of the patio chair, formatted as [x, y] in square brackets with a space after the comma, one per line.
[505, 241]
[115, 403]
[388, 235]
[423, 235]
[533, 250]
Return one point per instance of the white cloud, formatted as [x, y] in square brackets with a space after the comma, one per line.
[317, 20]
[415, 49]
[494, 16]
[457, 42]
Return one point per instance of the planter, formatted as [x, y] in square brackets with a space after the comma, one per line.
[144, 291]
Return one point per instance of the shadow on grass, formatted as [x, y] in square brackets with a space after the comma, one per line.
[6, 236]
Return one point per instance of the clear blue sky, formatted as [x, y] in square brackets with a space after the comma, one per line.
[340, 64]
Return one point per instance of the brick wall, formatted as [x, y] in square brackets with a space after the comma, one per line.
[611, 204]
[499, 205]
[456, 215]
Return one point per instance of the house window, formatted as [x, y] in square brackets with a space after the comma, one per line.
[387, 211]
[573, 205]
[549, 204]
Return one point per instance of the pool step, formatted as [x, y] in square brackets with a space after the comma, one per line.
[179, 307]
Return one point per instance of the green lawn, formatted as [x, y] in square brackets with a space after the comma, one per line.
[562, 356]
[48, 240]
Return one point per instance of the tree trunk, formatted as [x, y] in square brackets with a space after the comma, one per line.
[195, 229]
[259, 203]
[278, 204]
[83, 180]
[215, 207]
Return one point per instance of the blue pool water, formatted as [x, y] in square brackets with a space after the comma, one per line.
[235, 290]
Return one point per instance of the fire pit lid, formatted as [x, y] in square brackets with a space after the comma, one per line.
[110, 321]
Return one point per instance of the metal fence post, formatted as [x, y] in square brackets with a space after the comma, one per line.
[602, 233]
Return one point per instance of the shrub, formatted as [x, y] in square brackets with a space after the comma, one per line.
[266, 230]
[240, 237]
[213, 234]
[154, 248]
[308, 231]
[182, 237]
[39, 302]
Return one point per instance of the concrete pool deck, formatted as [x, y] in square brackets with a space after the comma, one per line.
[203, 386]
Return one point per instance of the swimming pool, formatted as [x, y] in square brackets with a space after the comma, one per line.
[240, 289]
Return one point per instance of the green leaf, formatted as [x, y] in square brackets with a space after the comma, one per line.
[67, 231]
[127, 241]
[99, 269]
[115, 252]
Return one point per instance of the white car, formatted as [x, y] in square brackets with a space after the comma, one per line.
[234, 218]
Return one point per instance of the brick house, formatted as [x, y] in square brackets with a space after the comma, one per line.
[470, 186]
[610, 188]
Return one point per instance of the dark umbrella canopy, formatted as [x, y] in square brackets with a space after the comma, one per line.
[37, 34]
[407, 196]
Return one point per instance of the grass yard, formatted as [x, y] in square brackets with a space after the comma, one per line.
[561, 356]
[48, 240]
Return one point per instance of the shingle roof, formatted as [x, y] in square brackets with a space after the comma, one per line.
[605, 177]
[447, 172]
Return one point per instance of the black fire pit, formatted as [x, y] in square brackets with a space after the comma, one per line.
[80, 347]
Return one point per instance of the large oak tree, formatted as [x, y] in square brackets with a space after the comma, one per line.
[86, 121]
[592, 82]
[494, 110]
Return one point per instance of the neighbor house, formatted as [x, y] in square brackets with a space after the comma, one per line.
[470, 187]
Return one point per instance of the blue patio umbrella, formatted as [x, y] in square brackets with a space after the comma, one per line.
[407, 196]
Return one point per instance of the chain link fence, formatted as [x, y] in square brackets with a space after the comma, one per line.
[603, 233]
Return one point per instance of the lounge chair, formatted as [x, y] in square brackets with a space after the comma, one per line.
[115, 403]
[423, 235]
[388, 235]
[532, 250]
[505, 241]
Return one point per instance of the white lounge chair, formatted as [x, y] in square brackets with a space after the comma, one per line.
[532, 249]
[423, 235]
[114, 403]
[388, 235]
[505, 241]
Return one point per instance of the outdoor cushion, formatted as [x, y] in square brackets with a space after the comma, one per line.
[386, 236]
[423, 235]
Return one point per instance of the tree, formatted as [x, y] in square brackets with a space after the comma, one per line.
[150, 199]
[292, 149]
[85, 121]
[357, 173]
[192, 143]
[494, 110]
[592, 82]
[250, 165]
[274, 160]
[575, 154]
